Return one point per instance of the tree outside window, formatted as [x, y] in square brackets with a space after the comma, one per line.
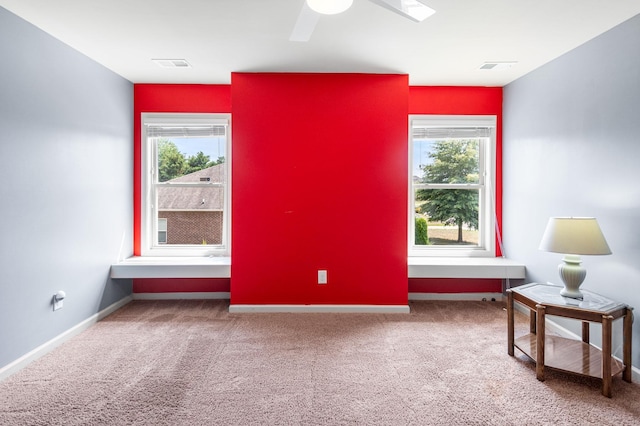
[172, 163]
[454, 161]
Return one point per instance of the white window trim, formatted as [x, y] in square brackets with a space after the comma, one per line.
[487, 211]
[149, 229]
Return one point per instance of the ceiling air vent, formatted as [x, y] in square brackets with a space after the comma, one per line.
[497, 65]
[172, 63]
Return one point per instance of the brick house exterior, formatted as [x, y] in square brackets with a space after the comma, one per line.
[192, 227]
[194, 215]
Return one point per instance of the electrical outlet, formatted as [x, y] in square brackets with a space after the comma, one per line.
[57, 304]
[322, 276]
[57, 300]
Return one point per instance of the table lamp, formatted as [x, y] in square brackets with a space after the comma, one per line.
[573, 236]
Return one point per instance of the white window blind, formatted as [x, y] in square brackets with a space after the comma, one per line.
[176, 131]
[451, 132]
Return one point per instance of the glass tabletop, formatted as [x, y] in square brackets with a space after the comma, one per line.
[548, 294]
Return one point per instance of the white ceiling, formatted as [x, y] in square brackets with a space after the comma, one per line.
[219, 37]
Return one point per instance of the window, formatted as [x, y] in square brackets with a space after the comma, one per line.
[185, 184]
[452, 181]
[162, 231]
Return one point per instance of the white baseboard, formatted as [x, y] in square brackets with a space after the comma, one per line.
[182, 296]
[47, 347]
[456, 296]
[370, 309]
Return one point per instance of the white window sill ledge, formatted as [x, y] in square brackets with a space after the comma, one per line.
[172, 267]
[220, 267]
[465, 267]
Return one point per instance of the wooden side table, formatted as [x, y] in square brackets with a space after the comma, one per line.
[568, 355]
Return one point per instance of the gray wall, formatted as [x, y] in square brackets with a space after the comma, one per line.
[66, 185]
[572, 148]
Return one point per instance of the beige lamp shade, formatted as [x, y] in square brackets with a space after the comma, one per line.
[574, 235]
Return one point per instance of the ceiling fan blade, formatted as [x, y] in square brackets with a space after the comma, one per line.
[305, 24]
[412, 9]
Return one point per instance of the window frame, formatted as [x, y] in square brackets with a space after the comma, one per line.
[150, 246]
[486, 187]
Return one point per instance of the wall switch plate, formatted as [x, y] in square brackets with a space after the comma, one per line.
[322, 276]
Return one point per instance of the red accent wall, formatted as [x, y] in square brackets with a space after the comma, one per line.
[457, 100]
[462, 101]
[454, 285]
[319, 171]
[186, 285]
[194, 98]
[323, 158]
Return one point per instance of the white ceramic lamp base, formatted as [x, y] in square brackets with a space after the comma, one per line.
[572, 276]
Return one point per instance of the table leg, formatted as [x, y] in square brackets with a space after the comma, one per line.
[540, 314]
[626, 345]
[585, 331]
[585, 349]
[532, 321]
[606, 355]
[510, 319]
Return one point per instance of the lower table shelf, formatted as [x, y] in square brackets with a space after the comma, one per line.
[563, 354]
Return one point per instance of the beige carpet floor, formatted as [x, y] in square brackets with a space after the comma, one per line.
[193, 363]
